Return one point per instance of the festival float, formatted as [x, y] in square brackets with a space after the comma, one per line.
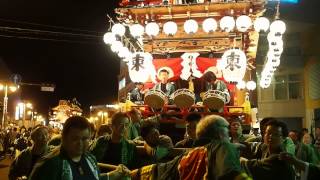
[65, 109]
[188, 39]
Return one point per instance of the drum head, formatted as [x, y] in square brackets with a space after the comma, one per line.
[183, 101]
[213, 103]
[154, 101]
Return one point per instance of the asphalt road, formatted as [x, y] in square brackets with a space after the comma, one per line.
[4, 168]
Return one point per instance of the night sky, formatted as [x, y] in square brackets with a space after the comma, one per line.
[79, 66]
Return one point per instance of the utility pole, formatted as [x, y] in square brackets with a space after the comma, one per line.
[5, 106]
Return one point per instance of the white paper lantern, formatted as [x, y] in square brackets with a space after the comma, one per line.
[209, 25]
[235, 63]
[152, 29]
[241, 85]
[277, 50]
[190, 26]
[109, 38]
[140, 69]
[116, 46]
[278, 27]
[127, 58]
[227, 23]
[251, 85]
[124, 52]
[275, 41]
[139, 76]
[268, 71]
[261, 24]
[270, 55]
[243, 23]
[170, 28]
[273, 38]
[267, 80]
[275, 62]
[264, 84]
[136, 30]
[118, 29]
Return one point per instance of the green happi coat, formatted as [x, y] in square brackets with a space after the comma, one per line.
[55, 166]
[128, 151]
[218, 160]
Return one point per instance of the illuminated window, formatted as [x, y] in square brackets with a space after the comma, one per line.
[287, 1]
[122, 83]
[283, 87]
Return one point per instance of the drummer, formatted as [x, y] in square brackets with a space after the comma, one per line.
[164, 86]
[137, 94]
[212, 83]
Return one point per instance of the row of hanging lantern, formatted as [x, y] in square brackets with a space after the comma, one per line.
[117, 46]
[250, 85]
[191, 26]
[277, 29]
[227, 23]
[233, 61]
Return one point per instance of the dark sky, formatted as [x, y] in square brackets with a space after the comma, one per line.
[80, 67]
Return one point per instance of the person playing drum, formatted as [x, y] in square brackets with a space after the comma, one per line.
[164, 86]
[212, 83]
[137, 94]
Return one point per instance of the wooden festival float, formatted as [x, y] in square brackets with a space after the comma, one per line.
[189, 40]
[65, 109]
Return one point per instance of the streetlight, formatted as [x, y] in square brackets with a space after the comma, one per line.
[6, 87]
[102, 114]
[24, 110]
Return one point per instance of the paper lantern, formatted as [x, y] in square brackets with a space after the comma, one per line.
[139, 76]
[124, 52]
[116, 46]
[170, 28]
[265, 82]
[190, 26]
[241, 85]
[274, 41]
[209, 25]
[278, 27]
[243, 23]
[109, 38]
[118, 29]
[261, 24]
[264, 85]
[140, 67]
[136, 30]
[152, 29]
[234, 65]
[251, 85]
[275, 62]
[227, 23]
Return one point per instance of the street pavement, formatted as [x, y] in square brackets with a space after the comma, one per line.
[4, 168]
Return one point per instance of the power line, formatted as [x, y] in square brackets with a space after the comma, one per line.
[49, 26]
[46, 35]
[25, 30]
[49, 39]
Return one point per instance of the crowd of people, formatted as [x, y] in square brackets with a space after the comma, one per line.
[132, 147]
